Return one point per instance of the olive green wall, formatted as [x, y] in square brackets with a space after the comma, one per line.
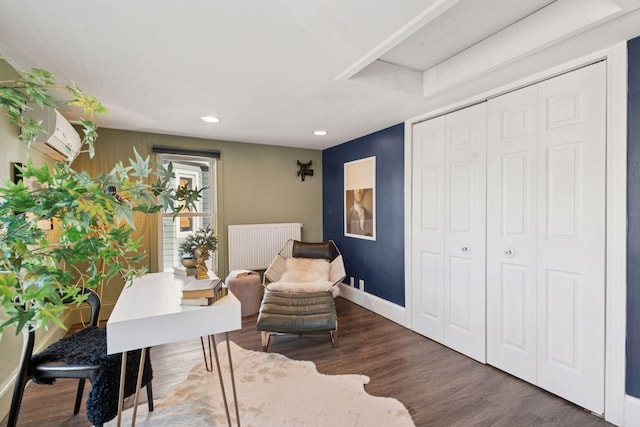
[257, 184]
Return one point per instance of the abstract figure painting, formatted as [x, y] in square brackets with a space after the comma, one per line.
[360, 198]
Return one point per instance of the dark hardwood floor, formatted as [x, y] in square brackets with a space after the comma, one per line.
[438, 386]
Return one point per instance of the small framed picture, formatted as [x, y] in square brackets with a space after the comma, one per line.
[360, 198]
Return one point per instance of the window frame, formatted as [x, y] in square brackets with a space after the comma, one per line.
[197, 217]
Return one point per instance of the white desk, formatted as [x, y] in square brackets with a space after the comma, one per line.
[149, 313]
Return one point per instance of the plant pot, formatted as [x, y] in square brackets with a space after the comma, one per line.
[188, 262]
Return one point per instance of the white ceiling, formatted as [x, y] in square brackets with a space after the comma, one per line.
[272, 71]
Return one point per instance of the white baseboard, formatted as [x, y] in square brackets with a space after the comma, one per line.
[384, 308]
[631, 411]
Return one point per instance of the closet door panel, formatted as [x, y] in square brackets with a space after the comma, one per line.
[428, 228]
[571, 236]
[511, 232]
[458, 307]
[460, 189]
[465, 213]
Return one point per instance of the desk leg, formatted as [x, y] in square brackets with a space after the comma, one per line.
[143, 355]
[224, 395]
[233, 381]
[123, 371]
[207, 364]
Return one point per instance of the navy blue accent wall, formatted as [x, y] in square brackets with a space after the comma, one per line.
[381, 262]
[633, 220]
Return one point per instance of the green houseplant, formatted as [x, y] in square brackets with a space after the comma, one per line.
[93, 216]
[198, 246]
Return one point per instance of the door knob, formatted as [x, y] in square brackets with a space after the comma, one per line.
[510, 252]
[466, 249]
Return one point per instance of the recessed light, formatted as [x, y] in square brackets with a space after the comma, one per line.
[210, 119]
[320, 132]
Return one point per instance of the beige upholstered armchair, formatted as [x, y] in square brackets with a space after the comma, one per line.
[300, 286]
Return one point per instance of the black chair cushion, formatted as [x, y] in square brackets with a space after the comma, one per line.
[89, 347]
[324, 250]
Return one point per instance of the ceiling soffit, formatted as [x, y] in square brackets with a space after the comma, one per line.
[432, 53]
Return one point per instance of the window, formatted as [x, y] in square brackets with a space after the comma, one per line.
[195, 172]
[191, 177]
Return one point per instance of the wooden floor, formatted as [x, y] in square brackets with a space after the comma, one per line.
[438, 386]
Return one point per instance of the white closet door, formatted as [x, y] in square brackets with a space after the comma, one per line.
[571, 236]
[449, 225]
[511, 232]
[465, 230]
[428, 228]
[546, 230]
[544, 181]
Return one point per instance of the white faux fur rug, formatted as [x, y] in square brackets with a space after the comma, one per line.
[273, 390]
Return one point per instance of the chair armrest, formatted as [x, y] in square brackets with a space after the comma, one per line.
[276, 269]
[337, 273]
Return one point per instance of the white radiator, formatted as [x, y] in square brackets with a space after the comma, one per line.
[254, 246]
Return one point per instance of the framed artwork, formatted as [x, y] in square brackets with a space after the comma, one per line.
[360, 198]
[186, 226]
[31, 184]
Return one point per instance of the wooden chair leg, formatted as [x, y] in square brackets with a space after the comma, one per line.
[266, 337]
[334, 336]
[149, 388]
[150, 397]
[76, 408]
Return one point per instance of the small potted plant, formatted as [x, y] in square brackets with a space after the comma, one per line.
[197, 247]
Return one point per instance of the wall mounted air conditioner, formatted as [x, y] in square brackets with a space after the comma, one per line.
[58, 140]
